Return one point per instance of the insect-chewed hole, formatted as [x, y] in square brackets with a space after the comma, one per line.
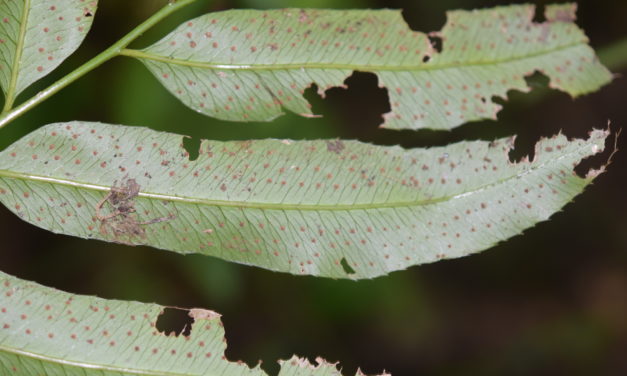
[175, 321]
[538, 16]
[436, 42]
[524, 147]
[360, 105]
[347, 268]
[414, 15]
[537, 80]
[192, 147]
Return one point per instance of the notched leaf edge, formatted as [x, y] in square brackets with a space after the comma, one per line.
[125, 328]
[593, 173]
[412, 97]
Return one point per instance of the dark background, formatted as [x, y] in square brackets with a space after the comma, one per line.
[550, 302]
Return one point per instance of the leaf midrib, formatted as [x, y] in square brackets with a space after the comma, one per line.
[19, 48]
[359, 67]
[85, 365]
[280, 206]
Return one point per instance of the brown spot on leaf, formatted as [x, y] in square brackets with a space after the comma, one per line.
[335, 146]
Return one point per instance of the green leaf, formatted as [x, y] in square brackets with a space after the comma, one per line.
[302, 207]
[44, 331]
[36, 36]
[247, 65]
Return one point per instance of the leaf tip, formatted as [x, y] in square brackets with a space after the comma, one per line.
[599, 147]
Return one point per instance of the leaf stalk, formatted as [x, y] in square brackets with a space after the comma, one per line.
[111, 52]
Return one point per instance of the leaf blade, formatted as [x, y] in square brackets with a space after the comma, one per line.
[301, 207]
[36, 36]
[245, 65]
[44, 331]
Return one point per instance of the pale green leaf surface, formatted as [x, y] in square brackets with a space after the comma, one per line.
[292, 206]
[44, 331]
[248, 65]
[37, 35]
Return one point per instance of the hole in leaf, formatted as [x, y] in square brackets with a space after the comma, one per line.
[420, 16]
[192, 147]
[524, 146]
[357, 109]
[544, 122]
[436, 42]
[347, 268]
[175, 321]
[539, 16]
[537, 80]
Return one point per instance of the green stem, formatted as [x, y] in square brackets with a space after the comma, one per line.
[106, 55]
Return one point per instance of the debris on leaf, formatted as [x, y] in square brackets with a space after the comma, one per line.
[122, 222]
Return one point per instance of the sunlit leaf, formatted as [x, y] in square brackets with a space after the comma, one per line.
[36, 36]
[44, 331]
[328, 208]
[248, 65]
